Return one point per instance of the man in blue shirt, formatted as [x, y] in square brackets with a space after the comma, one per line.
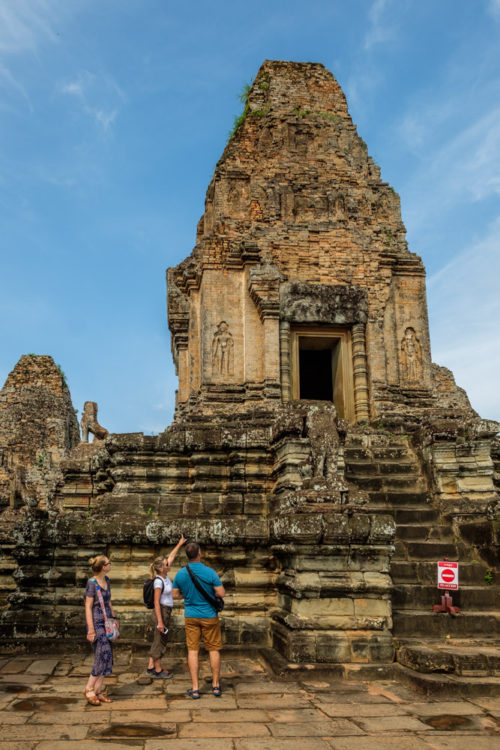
[200, 616]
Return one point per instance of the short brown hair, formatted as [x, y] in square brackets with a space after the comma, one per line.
[192, 550]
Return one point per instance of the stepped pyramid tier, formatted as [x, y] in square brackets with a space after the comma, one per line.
[318, 455]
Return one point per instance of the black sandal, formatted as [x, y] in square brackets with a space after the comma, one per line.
[216, 691]
[194, 694]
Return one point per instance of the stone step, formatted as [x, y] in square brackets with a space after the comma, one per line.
[419, 531]
[394, 485]
[399, 500]
[420, 514]
[426, 550]
[466, 658]
[447, 685]
[372, 466]
[415, 623]
[415, 595]
[471, 573]
[390, 453]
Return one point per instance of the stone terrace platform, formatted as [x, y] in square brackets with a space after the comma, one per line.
[42, 706]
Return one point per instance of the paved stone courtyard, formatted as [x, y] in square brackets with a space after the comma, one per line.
[42, 706]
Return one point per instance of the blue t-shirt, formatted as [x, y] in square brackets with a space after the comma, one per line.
[194, 603]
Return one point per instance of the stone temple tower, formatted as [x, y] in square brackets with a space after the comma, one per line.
[301, 284]
[321, 459]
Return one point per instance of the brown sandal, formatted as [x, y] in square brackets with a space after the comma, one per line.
[92, 698]
[104, 698]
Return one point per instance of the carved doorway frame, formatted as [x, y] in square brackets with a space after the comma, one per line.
[342, 367]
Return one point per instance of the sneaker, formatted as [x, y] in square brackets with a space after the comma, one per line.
[163, 675]
[150, 671]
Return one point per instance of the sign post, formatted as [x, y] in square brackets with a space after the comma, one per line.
[447, 579]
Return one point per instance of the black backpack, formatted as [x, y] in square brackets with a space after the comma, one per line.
[148, 592]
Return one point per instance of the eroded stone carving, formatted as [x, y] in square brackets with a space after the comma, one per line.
[321, 429]
[222, 351]
[89, 423]
[411, 356]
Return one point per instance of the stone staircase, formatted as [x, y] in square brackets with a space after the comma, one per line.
[428, 645]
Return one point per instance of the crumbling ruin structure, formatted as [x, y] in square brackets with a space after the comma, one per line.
[318, 455]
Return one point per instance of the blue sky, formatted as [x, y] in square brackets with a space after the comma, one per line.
[113, 114]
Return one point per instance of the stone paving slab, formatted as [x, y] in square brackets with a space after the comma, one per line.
[295, 715]
[458, 708]
[256, 712]
[150, 717]
[255, 688]
[238, 714]
[276, 700]
[391, 724]
[490, 704]
[206, 699]
[276, 743]
[226, 729]
[42, 666]
[451, 741]
[86, 745]
[71, 718]
[361, 710]
[354, 697]
[398, 742]
[314, 729]
[188, 744]
[46, 732]
[18, 664]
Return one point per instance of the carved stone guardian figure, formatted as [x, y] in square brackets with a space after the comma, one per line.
[89, 423]
[222, 351]
[411, 356]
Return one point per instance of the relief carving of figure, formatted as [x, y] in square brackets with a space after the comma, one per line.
[222, 351]
[411, 356]
[321, 429]
[89, 423]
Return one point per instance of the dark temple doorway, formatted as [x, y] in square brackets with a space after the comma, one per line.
[315, 372]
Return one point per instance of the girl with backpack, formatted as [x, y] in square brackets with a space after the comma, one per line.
[162, 605]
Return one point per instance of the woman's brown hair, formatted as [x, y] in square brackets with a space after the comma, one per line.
[98, 562]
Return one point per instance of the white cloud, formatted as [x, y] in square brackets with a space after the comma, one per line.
[25, 23]
[494, 8]
[24, 26]
[100, 97]
[465, 169]
[464, 307]
[380, 30]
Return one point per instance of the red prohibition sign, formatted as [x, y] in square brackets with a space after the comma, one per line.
[447, 575]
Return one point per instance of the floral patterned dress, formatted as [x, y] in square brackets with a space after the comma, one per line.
[103, 653]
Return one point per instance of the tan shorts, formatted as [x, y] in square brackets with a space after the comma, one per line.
[209, 627]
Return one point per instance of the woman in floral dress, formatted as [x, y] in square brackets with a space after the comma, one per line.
[96, 634]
